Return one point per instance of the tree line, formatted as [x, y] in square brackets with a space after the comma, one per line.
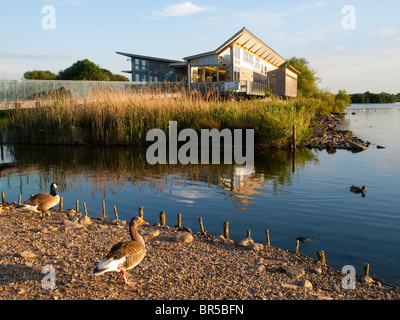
[369, 97]
[80, 70]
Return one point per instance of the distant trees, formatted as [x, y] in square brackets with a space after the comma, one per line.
[40, 75]
[80, 70]
[369, 97]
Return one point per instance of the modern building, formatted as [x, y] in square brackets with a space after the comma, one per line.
[243, 60]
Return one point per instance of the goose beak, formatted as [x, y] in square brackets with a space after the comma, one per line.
[142, 222]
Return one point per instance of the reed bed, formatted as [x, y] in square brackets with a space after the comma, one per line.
[115, 117]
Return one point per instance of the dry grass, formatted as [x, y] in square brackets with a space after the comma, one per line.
[124, 117]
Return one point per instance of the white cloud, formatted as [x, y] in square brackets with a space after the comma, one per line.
[385, 32]
[184, 9]
[40, 55]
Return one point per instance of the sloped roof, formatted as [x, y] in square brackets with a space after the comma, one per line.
[249, 41]
[131, 55]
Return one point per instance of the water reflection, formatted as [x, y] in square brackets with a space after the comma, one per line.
[107, 169]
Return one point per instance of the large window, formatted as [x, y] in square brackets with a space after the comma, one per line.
[224, 73]
[197, 74]
[236, 73]
[236, 55]
[247, 57]
[210, 74]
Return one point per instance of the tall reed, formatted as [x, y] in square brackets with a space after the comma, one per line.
[124, 117]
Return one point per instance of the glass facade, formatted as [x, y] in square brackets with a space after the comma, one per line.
[152, 71]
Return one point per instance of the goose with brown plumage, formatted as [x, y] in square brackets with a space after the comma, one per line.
[124, 256]
[43, 201]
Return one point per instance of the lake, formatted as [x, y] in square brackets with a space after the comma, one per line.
[291, 195]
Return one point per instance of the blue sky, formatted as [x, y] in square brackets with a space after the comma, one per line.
[365, 57]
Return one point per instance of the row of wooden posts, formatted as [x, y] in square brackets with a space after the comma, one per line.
[320, 253]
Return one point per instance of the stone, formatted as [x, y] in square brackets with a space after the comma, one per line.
[152, 234]
[293, 272]
[259, 268]
[27, 254]
[71, 224]
[367, 279]
[305, 284]
[184, 237]
[289, 286]
[245, 242]
[316, 270]
[85, 220]
[255, 246]
[60, 215]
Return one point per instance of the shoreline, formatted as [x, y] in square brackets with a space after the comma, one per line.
[179, 265]
[327, 136]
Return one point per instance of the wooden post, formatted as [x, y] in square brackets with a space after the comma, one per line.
[294, 137]
[84, 207]
[366, 269]
[162, 218]
[19, 200]
[77, 205]
[297, 246]
[321, 256]
[104, 209]
[61, 203]
[179, 222]
[201, 226]
[3, 197]
[226, 230]
[116, 213]
[141, 212]
[248, 234]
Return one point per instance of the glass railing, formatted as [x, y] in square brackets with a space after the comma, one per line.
[14, 91]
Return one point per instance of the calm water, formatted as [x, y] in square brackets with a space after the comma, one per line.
[306, 195]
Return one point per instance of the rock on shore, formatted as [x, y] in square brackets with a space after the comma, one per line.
[179, 265]
[327, 136]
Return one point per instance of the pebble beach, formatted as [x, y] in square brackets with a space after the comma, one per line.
[49, 257]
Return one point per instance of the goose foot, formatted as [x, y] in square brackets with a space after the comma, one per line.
[123, 275]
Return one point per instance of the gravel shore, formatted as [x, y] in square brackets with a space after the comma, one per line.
[180, 265]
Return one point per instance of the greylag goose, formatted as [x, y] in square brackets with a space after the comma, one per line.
[124, 255]
[43, 201]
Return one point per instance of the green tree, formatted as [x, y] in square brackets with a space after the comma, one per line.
[39, 75]
[113, 77]
[307, 80]
[342, 100]
[82, 70]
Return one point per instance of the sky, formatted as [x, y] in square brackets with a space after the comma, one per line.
[352, 45]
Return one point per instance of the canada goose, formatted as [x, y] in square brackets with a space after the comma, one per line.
[357, 189]
[43, 201]
[124, 255]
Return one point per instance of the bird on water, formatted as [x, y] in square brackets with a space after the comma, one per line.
[358, 189]
[43, 201]
[124, 256]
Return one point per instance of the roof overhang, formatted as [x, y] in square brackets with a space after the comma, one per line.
[245, 39]
[293, 69]
[137, 56]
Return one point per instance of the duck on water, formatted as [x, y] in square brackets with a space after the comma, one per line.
[358, 189]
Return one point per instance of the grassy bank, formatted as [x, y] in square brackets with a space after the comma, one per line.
[124, 118]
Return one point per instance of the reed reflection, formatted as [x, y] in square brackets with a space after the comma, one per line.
[106, 169]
